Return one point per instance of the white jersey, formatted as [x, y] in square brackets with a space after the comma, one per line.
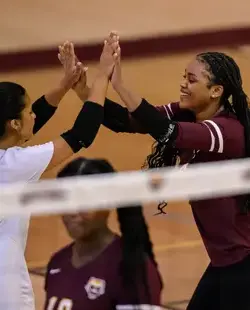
[18, 164]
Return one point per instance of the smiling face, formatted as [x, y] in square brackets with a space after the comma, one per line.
[197, 91]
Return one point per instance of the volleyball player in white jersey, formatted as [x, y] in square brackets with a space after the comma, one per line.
[17, 163]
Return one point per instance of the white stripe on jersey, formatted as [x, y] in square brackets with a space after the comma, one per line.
[138, 307]
[219, 134]
[212, 139]
[165, 108]
[168, 110]
[169, 106]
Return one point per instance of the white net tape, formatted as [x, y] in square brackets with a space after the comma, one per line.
[126, 188]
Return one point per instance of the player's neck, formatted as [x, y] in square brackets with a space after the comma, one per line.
[8, 142]
[89, 248]
[207, 113]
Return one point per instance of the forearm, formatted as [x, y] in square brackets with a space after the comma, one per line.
[54, 96]
[118, 119]
[157, 125]
[45, 106]
[81, 135]
[83, 93]
[98, 91]
[131, 100]
[43, 111]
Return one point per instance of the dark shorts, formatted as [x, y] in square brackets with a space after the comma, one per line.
[223, 288]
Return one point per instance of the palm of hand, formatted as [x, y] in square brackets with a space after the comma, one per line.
[81, 83]
[107, 62]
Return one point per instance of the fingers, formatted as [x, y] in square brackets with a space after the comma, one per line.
[110, 48]
[82, 79]
[76, 59]
[66, 54]
[113, 33]
[84, 72]
[61, 54]
[113, 37]
[71, 49]
[117, 55]
[60, 58]
[77, 70]
[113, 40]
[85, 69]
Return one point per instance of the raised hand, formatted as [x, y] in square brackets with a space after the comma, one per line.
[108, 57]
[131, 100]
[80, 87]
[72, 69]
[113, 41]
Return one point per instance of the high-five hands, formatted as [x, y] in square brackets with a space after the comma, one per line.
[68, 58]
[72, 69]
[109, 56]
[113, 42]
[75, 72]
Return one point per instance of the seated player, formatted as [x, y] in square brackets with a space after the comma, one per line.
[99, 269]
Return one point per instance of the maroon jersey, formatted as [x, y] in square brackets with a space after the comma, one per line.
[224, 230]
[97, 285]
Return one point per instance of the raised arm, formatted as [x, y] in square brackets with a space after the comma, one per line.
[216, 135]
[45, 106]
[40, 158]
[120, 119]
[88, 122]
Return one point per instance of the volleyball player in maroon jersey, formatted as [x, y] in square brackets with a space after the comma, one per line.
[216, 128]
[101, 270]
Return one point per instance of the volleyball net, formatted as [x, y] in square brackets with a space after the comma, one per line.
[109, 191]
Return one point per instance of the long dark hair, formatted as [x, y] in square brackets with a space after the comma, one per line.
[223, 71]
[11, 102]
[136, 242]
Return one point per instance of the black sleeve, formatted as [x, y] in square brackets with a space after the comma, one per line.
[159, 126]
[44, 111]
[86, 126]
[118, 119]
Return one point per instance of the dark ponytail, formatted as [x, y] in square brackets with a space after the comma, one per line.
[162, 155]
[137, 248]
[11, 102]
[224, 71]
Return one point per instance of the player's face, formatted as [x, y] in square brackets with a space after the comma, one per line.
[195, 93]
[85, 224]
[27, 120]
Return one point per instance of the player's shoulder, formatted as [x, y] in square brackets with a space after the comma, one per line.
[15, 154]
[174, 112]
[114, 249]
[61, 256]
[25, 163]
[112, 252]
[228, 133]
[227, 120]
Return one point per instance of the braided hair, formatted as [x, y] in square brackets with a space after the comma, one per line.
[136, 243]
[223, 71]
